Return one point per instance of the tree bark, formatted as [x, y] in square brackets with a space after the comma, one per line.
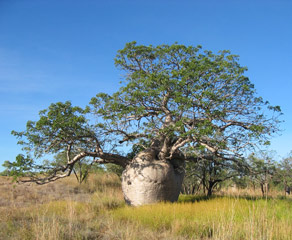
[148, 180]
[210, 189]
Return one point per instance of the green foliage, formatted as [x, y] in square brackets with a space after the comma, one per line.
[207, 96]
[283, 174]
[21, 167]
[262, 164]
[241, 182]
[57, 126]
[116, 169]
[263, 168]
[61, 131]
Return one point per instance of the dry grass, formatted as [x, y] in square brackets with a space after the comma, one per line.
[67, 210]
[249, 192]
[96, 210]
[59, 210]
[20, 195]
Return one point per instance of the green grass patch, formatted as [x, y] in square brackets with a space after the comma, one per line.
[216, 218]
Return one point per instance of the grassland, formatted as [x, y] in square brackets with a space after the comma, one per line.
[96, 210]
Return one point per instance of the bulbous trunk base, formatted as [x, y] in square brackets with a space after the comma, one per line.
[147, 181]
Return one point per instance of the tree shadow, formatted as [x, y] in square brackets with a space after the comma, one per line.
[198, 198]
[194, 198]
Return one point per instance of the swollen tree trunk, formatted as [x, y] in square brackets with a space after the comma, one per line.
[148, 180]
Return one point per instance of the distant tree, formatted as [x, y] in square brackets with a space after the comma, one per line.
[81, 169]
[212, 173]
[284, 174]
[191, 183]
[174, 97]
[116, 169]
[263, 168]
[241, 181]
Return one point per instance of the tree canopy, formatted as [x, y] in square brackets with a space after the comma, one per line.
[182, 95]
[181, 102]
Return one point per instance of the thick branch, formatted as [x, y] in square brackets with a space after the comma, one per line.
[110, 158]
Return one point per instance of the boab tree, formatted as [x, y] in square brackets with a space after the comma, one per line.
[176, 103]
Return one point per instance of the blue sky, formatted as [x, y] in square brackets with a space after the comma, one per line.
[63, 50]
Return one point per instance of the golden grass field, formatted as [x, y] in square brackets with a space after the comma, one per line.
[96, 210]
